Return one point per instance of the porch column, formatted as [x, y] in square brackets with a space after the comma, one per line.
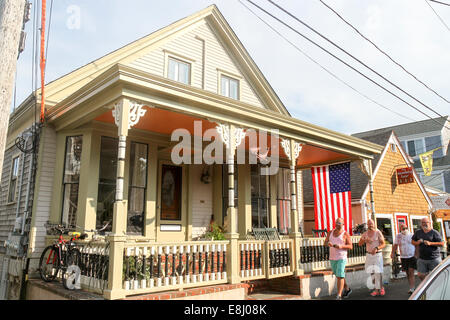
[231, 137]
[126, 113]
[292, 150]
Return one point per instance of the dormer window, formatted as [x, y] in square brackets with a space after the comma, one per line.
[179, 70]
[229, 87]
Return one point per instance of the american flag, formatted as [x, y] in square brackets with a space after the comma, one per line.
[332, 196]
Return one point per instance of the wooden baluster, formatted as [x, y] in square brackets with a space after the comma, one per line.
[144, 268]
[200, 258]
[219, 249]
[159, 283]
[152, 256]
[206, 262]
[224, 264]
[242, 260]
[136, 269]
[187, 275]
[213, 253]
[174, 256]
[180, 265]
[166, 266]
[194, 275]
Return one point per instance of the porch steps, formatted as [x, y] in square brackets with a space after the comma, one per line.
[271, 295]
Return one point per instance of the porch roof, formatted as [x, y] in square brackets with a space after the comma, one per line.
[98, 96]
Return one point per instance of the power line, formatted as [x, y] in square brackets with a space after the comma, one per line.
[437, 15]
[48, 32]
[322, 67]
[345, 63]
[440, 2]
[349, 54]
[383, 52]
[446, 4]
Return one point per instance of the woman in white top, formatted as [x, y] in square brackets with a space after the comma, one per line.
[374, 241]
[407, 254]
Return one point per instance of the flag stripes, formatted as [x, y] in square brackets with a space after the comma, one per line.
[329, 204]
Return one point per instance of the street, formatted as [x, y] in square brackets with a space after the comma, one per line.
[396, 289]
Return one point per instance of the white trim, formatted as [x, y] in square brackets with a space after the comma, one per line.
[441, 222]
[401, 214]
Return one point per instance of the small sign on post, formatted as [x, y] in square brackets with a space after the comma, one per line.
[405, 175]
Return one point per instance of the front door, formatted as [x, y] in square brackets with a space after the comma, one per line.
[401, 219]
[171, 203]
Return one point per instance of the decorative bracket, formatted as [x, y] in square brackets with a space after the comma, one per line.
[136, 112]
[285, 143]
[224, 131]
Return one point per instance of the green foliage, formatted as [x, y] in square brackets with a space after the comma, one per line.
[215, 232]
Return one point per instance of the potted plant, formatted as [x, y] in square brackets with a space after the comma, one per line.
[215, 232]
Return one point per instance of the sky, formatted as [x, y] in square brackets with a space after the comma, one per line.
[408, 30]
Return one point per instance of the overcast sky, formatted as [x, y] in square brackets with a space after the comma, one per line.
[406, 29]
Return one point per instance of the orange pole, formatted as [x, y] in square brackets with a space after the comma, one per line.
[42, 60]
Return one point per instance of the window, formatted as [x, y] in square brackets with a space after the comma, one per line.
[385, 226]
[13, 179]
[417, 146]
[433, 143]
[416, 224]
[171, 180]
[225, 189]
[71, 179]
[260, 192]
[437, 290]
[283, 201]
[107, 181]
[137, 187]
[393, 147]
[179, 70]
[229, 87]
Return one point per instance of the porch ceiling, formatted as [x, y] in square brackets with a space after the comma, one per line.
[165, 122]
[95, 100]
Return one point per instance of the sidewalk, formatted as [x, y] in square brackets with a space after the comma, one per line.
[396, 289]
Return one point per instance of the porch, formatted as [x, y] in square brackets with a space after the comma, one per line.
[119, 161]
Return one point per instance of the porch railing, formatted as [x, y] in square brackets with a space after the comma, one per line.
[265, 259]
[314, 255]
[160, 267]
[252, 259]
[93, 263]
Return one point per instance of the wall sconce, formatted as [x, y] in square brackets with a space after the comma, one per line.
[206, 177]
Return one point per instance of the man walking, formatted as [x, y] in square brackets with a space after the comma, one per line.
[407, 254]
[374, 241]
[429, 241]
[339, 242]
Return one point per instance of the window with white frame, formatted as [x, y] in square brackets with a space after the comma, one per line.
[414, 147]
[229, 87]
[179, 70]
[13, 179]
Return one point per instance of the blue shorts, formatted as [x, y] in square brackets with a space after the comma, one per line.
[338, 267]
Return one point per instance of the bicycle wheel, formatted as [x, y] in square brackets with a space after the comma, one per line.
[71, 271]
[49, 263]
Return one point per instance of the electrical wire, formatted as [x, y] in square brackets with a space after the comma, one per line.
[322, 67]
[350, 55]
[345, 63]
[383, 52]
[446, 4]
[437, 15]
[48, 32]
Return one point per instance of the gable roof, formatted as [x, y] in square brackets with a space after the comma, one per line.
[59, 89]
[410, 128]
[359, 182]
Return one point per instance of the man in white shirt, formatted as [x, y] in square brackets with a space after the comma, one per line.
[407, 254]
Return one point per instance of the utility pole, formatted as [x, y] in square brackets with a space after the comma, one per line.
[11, 26]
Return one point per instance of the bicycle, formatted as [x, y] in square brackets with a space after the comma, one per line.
[59, 255]
[91, 265]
